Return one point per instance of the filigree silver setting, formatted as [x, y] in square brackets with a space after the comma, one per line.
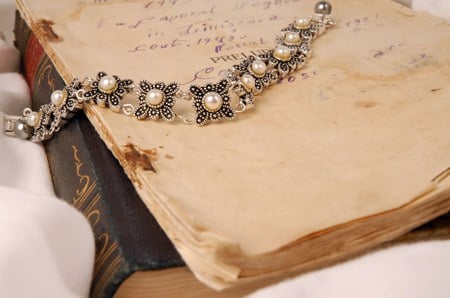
[156, 100]
[211, 101]
[108, 91]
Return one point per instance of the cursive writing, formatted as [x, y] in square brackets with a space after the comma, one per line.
[152, 18]
[261, 4]
[211, 72]
[211, 25]
[160, 3]
[382, 52]
[358, 24]
[217, 44]
[175, 24]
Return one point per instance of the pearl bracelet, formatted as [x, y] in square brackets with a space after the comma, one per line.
[211, 102]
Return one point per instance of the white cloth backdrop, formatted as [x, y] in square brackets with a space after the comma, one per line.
[47, 247]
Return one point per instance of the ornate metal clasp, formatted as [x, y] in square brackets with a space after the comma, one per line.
[9, 124]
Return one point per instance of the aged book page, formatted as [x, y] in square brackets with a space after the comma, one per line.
[338, 157]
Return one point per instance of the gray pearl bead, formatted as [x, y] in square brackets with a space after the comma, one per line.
[22, 130]
[323, 7]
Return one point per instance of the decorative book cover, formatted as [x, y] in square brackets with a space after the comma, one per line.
[349, 152]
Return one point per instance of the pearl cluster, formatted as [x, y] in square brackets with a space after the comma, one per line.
[292, 51]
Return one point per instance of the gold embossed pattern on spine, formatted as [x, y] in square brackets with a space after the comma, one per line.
[87, 199]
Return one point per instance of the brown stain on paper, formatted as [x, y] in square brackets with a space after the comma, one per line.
[139, 158]
[134, 158]
[45, 29]
[365, 104]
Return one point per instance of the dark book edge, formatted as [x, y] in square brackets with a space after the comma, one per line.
[86, 175]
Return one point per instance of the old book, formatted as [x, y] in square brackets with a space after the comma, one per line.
[348, 153]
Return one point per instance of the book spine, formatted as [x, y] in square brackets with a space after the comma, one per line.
[86, 175]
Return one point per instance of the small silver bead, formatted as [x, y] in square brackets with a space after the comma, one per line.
[22, 130]
[323, 8]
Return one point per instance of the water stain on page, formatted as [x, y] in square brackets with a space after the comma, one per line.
[44, 27]
[139, 158]
[365, 104]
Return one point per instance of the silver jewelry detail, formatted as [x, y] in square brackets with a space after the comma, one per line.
[323, 8]
[187, 118]
[240, 107]
[128, 109]
[183, 95]
[22, 130]
[9, 123]
[211, 101]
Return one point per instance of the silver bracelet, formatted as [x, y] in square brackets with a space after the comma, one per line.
[211, 102]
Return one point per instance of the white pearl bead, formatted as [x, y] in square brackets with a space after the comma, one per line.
[248, 81]
[302, 23]
[154, 97]
[212, 101]
[282, 53]
[58, 97]
[107, 84]
[33, 119]
[292, 38]
[259, 67]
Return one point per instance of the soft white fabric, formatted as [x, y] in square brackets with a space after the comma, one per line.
[6, 19]
[14, 94]
[46, 247]
[440, 8]
[12, 63]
